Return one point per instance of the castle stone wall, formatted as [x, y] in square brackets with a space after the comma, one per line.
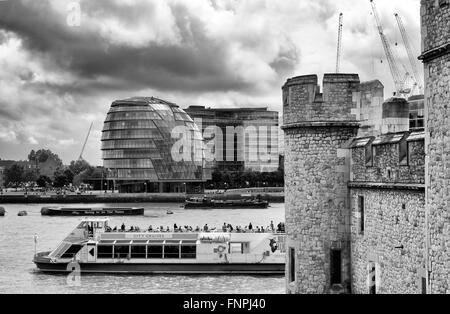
[435, 18]
[316, 177]
[386, 167]
[393, 239]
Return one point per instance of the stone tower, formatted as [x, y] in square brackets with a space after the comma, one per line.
[317, 126]
[435, 16]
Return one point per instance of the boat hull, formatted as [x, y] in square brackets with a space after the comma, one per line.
[166, 268]
[118, 211]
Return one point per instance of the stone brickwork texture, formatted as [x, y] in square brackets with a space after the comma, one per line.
[302, 100]
[393, 238]
[386, 167]
[435, 18]
[316, 176]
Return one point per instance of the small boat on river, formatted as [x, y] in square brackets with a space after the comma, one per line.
[93, 248]
[95, 211]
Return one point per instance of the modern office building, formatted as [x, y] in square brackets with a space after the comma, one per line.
[416, 112]
[248, 140]
[141, 147]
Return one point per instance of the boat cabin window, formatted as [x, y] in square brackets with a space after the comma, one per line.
[155, 251]
[172, 249]
[82, 225]
[104, 251]
[121, 251]
[188, 249]
[239, 247]
[147, 249]
[235, 248]
[72, 251]
[138, 251]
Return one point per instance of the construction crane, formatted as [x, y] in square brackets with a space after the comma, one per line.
[85, 141]
[398, 80]
[339, 43]
[412, 61]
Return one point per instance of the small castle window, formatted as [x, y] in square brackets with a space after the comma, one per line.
[369, 157]
[291, 264]
[287, 96]
[336, 267]
[361, 213]
[403, 155]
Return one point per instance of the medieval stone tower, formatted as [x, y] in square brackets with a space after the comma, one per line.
[435, 16]
[316, 126]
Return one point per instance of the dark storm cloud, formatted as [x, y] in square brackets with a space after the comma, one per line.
[199, 63]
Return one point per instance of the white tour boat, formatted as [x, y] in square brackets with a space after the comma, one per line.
[92, 248]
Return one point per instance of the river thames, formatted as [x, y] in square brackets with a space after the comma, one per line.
[18, 274]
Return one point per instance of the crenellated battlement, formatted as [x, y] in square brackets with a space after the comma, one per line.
[303, 102]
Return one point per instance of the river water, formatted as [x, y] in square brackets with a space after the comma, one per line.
[18, 273]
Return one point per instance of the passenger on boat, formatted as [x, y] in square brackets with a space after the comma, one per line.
[250, 227]
[122, 227]
[272, 226]
[150, 228]
[224, 227]
[205, 228]
[197, 229]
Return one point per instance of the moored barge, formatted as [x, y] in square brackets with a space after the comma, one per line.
[208, 203]
[84, 211]
[92, 249]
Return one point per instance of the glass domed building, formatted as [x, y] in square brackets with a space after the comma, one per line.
[137, 147]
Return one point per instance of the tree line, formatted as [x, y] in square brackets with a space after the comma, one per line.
[247, 179]
[76, 173]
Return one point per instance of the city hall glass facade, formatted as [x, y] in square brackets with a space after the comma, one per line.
[255, 149]
[137, 147]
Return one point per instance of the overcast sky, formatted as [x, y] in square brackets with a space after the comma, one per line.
[56, 78]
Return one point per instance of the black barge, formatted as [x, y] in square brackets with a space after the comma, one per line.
[99, 211]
